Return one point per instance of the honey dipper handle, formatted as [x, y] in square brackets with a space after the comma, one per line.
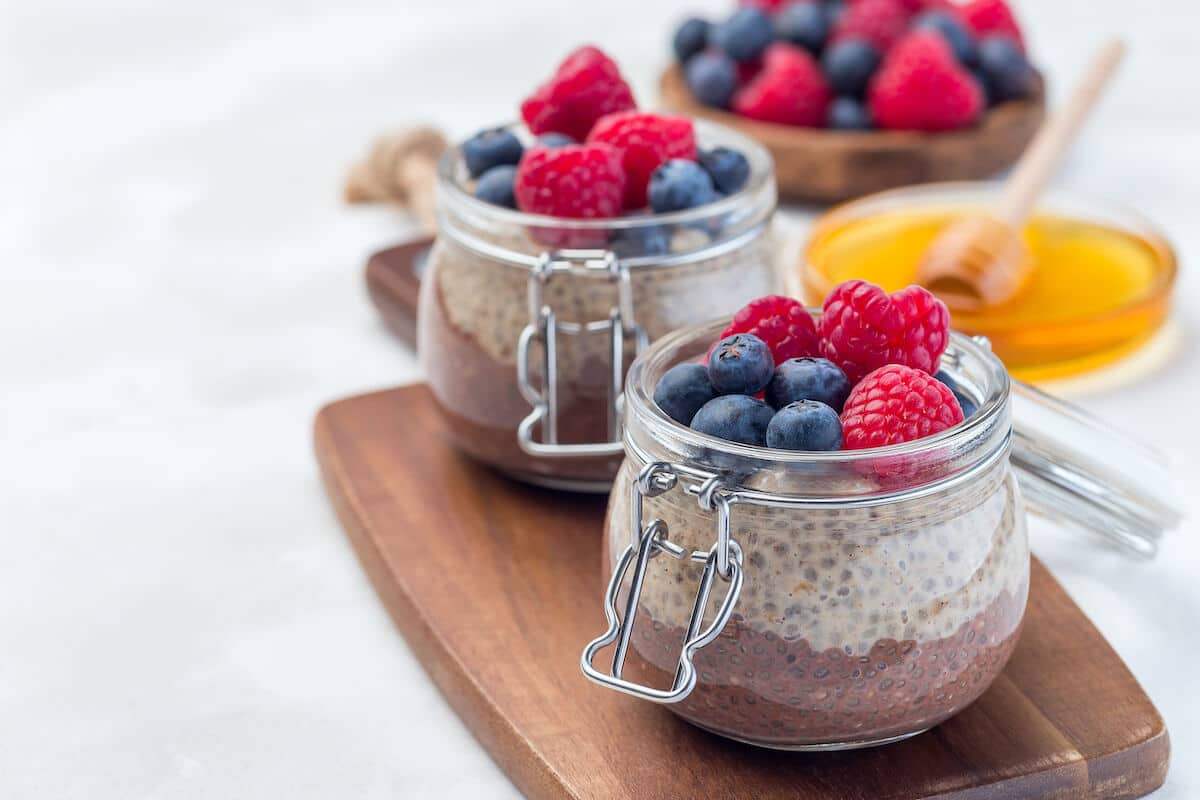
[1042, 156]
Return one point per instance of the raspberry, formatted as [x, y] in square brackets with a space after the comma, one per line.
[790, 89]
[645, 142]
[782, 322]
[880, 22]
[863, 329]
[582, 181]
[992, 16]
[921, 87]
[586, 86]
[897, 404]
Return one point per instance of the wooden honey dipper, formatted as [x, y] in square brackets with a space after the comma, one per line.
[401, 169]
[980, 260]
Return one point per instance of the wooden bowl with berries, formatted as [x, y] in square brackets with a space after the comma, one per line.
[855, 97]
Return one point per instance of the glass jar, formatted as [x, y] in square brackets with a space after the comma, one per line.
[821, 601]
[527, 323]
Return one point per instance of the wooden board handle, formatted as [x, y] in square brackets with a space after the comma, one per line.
[394, 285]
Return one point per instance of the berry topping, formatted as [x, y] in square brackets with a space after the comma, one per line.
[782, 322]
[992, 16]
[849, 114]
[965, 403]
[790, 89]
[862, 328]
[735, 418]
[740, 364]
[683, 390]
[950, 26]
[586, 86]
[496, 186]
[921, 87]
[849, 65]
[645, 141]
[690, 38]
[744, 35]
[880, 22]
[805, 425]
[680, 184]
[808, 379]
[728, 168]
[804, 23]
[491, 148]
[713, 78]
[578, 181]
[1007, 74]
[897, 404]
[553, 140]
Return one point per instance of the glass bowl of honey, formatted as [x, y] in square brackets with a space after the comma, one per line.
[1100, 288]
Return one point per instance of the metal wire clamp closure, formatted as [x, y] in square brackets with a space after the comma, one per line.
[544, 328]
[723, 559]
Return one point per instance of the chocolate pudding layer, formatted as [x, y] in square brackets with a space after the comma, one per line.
[855, 625]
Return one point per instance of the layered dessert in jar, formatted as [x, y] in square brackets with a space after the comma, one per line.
[565, 245]
[877, 560]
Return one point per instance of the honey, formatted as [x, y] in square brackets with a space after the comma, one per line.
[1100, 286]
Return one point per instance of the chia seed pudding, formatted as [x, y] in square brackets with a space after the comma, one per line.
[685, 267]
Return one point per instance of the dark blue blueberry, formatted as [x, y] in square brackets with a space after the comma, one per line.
[805, 22]
[690, 38]
[808, 379]
[496, 186]
[967, 404]
[966, 50]
[849, 114]
[849, 65]
[491, 148]
[744, 35]
[680, 184]
[982, 81]
[644, 240]
[834, 10]
[712, 78]
[736, 418]
[553, 141]
[728, 168]
[1008, 73]
[683, 390]
[740, 364]
[805, 425]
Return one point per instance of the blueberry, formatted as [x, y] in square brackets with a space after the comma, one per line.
[683, 390]
[805, 425]
[679, 184]
[849, 114]
[1008, 73]
[954, 32]
[744, 35]
[553, 141]
[805, 23]
[735, 417]
[808, 379]
[690, 38]
[491, 148]
[712, 78]
[740, 364]
[967, 404]
[849, 65]
[728, 168]
[984, 87]
[834, 10]
[496, 186]
[643, 240]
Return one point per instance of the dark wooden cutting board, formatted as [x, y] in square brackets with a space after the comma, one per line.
[497, 588]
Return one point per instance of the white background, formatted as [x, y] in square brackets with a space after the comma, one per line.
[180, 289]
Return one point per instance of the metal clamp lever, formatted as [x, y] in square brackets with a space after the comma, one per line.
[544, 329]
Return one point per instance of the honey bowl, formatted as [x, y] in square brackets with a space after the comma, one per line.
[1100, 288]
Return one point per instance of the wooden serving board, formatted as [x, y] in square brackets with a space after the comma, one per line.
[497, 587]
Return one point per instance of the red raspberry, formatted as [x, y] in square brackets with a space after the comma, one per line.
[921, 87]
[583, 181]
[645, 142]
[992, 16]
[586, 86]
[897, 404]
[862, 328]
[782, 322]
[790, 89]
[880, 22]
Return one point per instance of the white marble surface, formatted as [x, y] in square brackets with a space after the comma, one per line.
[180, 290]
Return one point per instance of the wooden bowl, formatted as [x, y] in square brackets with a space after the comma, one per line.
[824, 166]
